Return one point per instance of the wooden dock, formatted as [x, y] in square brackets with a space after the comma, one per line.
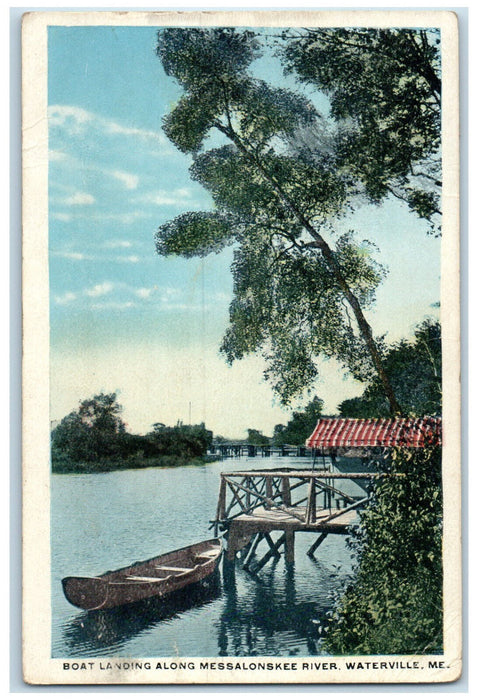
[254, 504]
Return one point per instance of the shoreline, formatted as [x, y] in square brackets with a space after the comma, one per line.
[113, 464]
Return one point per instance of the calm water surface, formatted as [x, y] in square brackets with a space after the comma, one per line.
[107, 521]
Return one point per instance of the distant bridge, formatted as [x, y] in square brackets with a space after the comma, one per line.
[240, 449]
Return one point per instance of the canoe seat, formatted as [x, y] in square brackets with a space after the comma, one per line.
[179, 569]
[145, 579]
[208, 555]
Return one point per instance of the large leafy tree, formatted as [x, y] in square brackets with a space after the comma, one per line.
[384, 87]
[296, 296]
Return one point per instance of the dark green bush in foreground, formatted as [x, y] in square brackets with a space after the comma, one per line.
[394, 603]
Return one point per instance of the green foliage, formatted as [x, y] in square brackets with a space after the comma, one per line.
[287, 304]
[414, 368]
[393, 605]
[384, 87]
[301, 425]
[211, 66]
[239, 187]
[92, 432]
[102, 412]
[185, 441]
[203, 57]
[191, 119]
[194, 233]
[94, 438]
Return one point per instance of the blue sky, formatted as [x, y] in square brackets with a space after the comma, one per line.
[123, 319]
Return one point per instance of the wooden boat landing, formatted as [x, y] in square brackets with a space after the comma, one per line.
[253, 504]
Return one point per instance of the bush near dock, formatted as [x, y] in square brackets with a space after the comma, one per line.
[393, 605]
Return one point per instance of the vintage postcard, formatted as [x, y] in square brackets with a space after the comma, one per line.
[241, 348]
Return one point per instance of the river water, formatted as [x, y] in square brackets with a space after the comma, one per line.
[103, 522]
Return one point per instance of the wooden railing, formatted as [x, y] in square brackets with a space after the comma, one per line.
[297, 493]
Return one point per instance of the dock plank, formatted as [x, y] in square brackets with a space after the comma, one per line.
[274, 516]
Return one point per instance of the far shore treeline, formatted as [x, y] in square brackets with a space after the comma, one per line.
[94, 438]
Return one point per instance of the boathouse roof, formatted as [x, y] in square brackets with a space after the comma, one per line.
[376, 432]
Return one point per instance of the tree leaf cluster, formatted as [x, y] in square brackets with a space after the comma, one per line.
[288, 305]
[92, 432]
[191, 55]
[211, 67]
[185, 441]
[384, 87]
[256, 437]
[238, 185]
[193, 234]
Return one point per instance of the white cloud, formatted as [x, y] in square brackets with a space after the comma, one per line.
[100, 289]
[54, 155]
[126, 218]
[114, 305]
[73, 256]
[127, 259]
[170, 293]
[114, 243]
[178, 196]
[75, 120]
[180, 307]
[79, 199]
[65, 298]
[144, 293]
[129, 180]
[115, 128]
[74, 117]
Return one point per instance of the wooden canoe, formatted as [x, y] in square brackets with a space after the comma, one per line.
[157, 577]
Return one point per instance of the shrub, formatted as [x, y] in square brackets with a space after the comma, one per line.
[393, 605]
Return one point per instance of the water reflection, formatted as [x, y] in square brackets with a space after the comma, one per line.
[271, 612]
[105, 631]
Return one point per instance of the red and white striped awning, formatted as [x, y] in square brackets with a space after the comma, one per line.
[376, 432]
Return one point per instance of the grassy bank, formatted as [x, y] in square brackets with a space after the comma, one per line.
[63, 465]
